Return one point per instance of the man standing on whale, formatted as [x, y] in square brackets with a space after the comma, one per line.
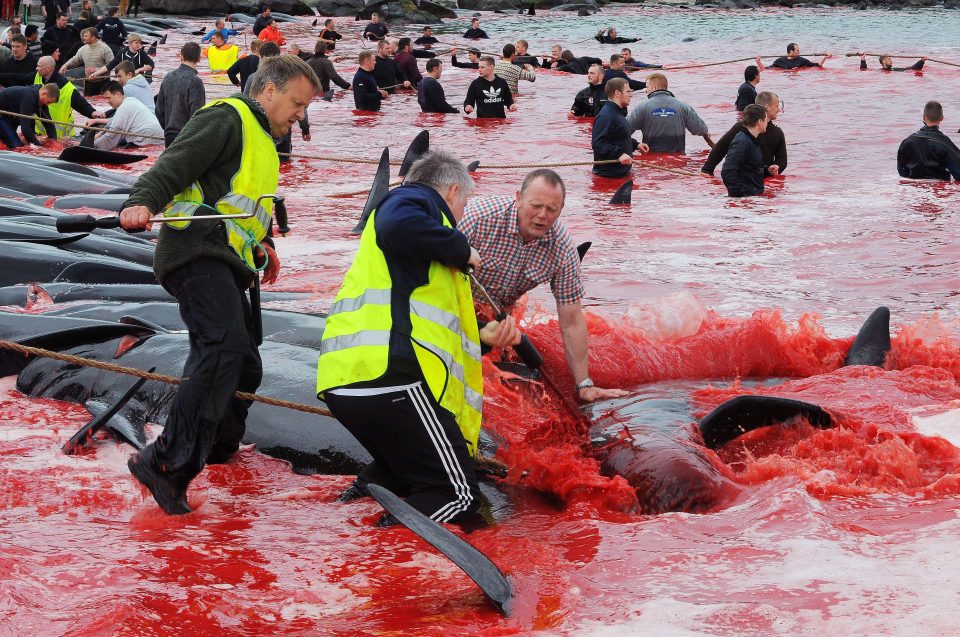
[223, 161]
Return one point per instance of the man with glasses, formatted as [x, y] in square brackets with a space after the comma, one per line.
[773, 144]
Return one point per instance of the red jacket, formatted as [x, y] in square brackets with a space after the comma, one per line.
[272, 34]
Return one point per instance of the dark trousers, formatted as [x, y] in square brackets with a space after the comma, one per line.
[134, 8]
[418, 450]
[285, 145]
[8, 134]
[206, 422]
[168, 137]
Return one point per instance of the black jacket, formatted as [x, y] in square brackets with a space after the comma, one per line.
[77, 101]
[63, 37]
[578, 66]
[366, 95]
[432, 98]
[26, 101]
[326, 72]
[635, 85]
[411, 234]
[476, 34]
[112, 31]
[773, 145]
[140, 58]
[746, 95]
[611, 139]
[743, 170]
[928, 154]
[589, 101]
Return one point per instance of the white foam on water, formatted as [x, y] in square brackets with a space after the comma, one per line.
[938, 420]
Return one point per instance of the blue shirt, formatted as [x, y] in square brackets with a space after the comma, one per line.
[225, 32]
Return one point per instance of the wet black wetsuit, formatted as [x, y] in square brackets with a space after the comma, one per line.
[928, 154]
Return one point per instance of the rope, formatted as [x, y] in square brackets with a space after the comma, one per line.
[754, 57]
[27, 350]
[353, 160]
[338, 195]
[482, 464]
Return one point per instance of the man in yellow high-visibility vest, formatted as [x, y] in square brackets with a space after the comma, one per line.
[224, 160]
[400, 356]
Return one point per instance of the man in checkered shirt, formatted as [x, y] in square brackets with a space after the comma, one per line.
[523, 244]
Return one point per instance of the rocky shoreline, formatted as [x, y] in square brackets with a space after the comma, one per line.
[432, 12]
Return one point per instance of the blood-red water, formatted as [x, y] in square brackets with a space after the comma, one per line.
[845, 531]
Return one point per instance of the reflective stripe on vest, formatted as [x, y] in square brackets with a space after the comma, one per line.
[60, 111]
[258, 175]
[222, 59]
[444, 334]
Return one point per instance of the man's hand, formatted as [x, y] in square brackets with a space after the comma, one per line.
[99, 115]
[383, 93]
[500, 334]
[91, 70]
[528, 67]
[643, 148]
[453, 51]
[709, 140]
[468, 109]
[474, 260]
[626, 159]
[590, 394]
[773, 170]
[758, 60]
[273, 264]
[306, 137]
[862, 55]
[136, 218]
[512, 108]
[406, 84]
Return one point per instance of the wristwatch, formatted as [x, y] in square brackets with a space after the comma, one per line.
[583, 384]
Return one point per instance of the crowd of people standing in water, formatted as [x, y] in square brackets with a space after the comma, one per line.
[400, 354]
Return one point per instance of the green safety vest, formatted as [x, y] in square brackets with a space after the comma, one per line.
[60, 111]
[258, 175]
[356, 340]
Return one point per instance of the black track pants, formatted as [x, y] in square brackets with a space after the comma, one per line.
[206, 422]
[418, 450]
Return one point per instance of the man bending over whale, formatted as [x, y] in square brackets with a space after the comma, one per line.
[523, 244]
[224, 161]
[400, 356]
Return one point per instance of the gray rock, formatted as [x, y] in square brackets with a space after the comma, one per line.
[209, 7]
[489, 5]
[337, 8]
[951, 4]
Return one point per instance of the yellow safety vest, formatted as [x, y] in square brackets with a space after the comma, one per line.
[258, 175]
[222, 59]
[60, 111]
[356, 340]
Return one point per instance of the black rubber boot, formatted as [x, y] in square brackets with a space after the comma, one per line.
[170, 498]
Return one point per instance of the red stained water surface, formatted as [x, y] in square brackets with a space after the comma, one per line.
[844, 531]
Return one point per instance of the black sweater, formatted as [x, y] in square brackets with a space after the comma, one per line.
[743, 169]
[463, 65]
[387, 73]
[326, 72]
[792, 63]
[489, 98]
[746, 95]
[366, 95]
[476, 34]
[916, 66]
[208, 151]
[579, 66]
[432, 98]
[635, 85]
[773, 145]
[611, 139]
[241, 70]
[112, 31]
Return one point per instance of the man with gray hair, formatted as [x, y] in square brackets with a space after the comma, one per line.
[222, 162]
[523, 244]
[400, 357]
[773, 143]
